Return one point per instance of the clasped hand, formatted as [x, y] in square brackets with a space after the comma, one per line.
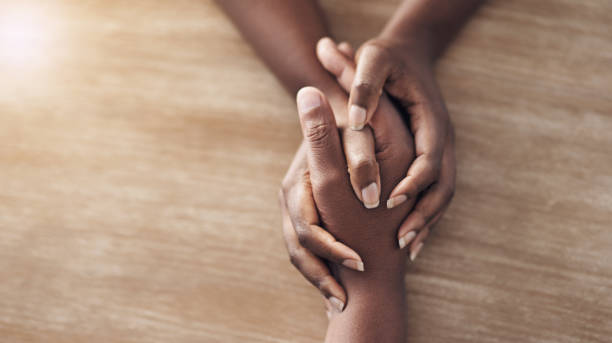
[333, 216]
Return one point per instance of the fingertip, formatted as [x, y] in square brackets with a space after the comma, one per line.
[371, 195]
[346, 49]
[412, 223]
[396, 200]
[406, 239]
[337, 304]
[417, 243]
[415, 252]
[325, 42]
[307, 99]
[354, 265]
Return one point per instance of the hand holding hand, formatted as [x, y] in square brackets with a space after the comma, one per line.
[404, 70]
[377, 292]
[309, 245]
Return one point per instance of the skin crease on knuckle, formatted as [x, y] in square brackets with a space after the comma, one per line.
[365, 88]
[303, 233]
[317, 133]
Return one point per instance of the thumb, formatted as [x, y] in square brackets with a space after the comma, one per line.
[370, 77]
[325, 158]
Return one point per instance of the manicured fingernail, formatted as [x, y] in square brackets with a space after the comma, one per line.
[406, 239]
[307, 100]
[353, 264]
[337, 304]
[414, 253]
[371, 195]
[391, 203]
[357, 117]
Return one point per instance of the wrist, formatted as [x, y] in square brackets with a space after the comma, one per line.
[374, 311]
[414, 40]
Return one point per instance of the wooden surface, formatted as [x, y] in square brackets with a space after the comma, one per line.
[142, 146]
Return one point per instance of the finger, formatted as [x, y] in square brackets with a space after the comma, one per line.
[310, 235]
[385, 125]
[434, 201]
[335, 62]
[324, 153]
[359, 146]
[370, 77]
[322, 244]
[417, 244]
[347, 50]
[429, 121]
[310, 266]
[423, 171]
[363, 168]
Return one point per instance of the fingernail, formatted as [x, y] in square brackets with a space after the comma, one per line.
[416, 251]
[371, 195]
[353, 264]
[391, 203]
[337, 304]
[357, 117]
[406, 239]
[328, 313]
[307, 100]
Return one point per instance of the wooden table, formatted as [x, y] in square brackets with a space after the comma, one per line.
[142, 145]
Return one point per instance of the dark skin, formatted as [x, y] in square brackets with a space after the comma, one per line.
[400, 61]
[374, 311]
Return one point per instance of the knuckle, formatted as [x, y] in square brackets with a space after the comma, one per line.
[295, 258]
[433, 167]
[285, 190]
[364, 88]
[303, 235]
[363, 163]
[375, 50]
[318, 133]
[323, 281]
[420, 218]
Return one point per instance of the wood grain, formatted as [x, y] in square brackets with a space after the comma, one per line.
[142, 154]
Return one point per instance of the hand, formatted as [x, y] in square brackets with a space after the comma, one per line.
[309, 245]
[404, 70]
[378, 292]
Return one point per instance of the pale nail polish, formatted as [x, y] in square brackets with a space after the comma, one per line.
[337, 304]
[371, 196]
[353, 264]
[307, 100]
[391, 203]
[416, 251]
[357, 117]
[406, 239]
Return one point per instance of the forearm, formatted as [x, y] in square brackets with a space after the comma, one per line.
[284, 33]
[431, 23]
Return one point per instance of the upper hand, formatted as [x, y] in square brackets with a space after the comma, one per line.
[403, 69]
